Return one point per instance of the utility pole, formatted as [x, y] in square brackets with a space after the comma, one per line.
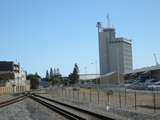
[98, 28]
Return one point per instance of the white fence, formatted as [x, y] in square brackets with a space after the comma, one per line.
[14, 89]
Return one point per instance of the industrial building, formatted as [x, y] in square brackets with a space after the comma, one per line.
[152, 72]
[90, 80]
[11, 71]
[12, 78]
[115, 54]
[115, 58]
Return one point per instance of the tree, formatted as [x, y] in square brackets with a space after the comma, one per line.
[65, 81]
[56, 77]
[55, 72]
[34, 80]
[47, 76]
[51, 73]
[74, 76]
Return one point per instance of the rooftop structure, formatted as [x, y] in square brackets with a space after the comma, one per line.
[144, 69]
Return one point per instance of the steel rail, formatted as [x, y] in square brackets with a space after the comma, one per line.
[102, 117]
[64, 113]
[12, 101]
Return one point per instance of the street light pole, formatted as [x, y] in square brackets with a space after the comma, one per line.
[96, 71]
[95, 66]
[98, 30]
[117, 55]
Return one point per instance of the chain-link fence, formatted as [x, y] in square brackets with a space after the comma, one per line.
[111, 99]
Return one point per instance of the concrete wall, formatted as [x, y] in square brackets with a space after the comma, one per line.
[103, 53]
[15, 89]
[124, 55]
[112, 79]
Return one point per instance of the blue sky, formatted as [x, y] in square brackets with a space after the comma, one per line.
[57, 33]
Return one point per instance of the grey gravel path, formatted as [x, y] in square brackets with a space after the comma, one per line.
[28, 110]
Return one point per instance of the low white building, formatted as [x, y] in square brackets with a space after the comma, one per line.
[88, 79]
[21, 75]
[112, 78]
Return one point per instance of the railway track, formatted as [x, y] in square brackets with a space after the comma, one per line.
[59, 107]
[45, 100]
[12, 101]
[64, 113]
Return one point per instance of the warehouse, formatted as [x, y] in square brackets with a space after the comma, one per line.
[146, 72]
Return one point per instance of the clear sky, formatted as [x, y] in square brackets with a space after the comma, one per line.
[57, 33]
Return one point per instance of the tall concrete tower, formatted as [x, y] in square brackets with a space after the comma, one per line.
[115, 54]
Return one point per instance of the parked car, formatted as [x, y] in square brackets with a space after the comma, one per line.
[129, 82]
[151, 81]
[138, 85]
[155, 86]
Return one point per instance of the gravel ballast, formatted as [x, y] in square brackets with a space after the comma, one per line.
[28, 110]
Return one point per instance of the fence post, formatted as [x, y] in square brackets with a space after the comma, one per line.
[154, 99]
[78, 96]
[65, 93]
[73, 95]
[98, 95]
[135, 100]
[58, 93]
[84, 96]
[108, 99]
[119, 99]
[62, 92]
[125, 96]
[90, 95]
[70, 94]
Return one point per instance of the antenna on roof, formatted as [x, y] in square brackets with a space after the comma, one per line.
[108, 21]
[155, 58]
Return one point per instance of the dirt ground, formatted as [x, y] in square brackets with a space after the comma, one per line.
[133, 104]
